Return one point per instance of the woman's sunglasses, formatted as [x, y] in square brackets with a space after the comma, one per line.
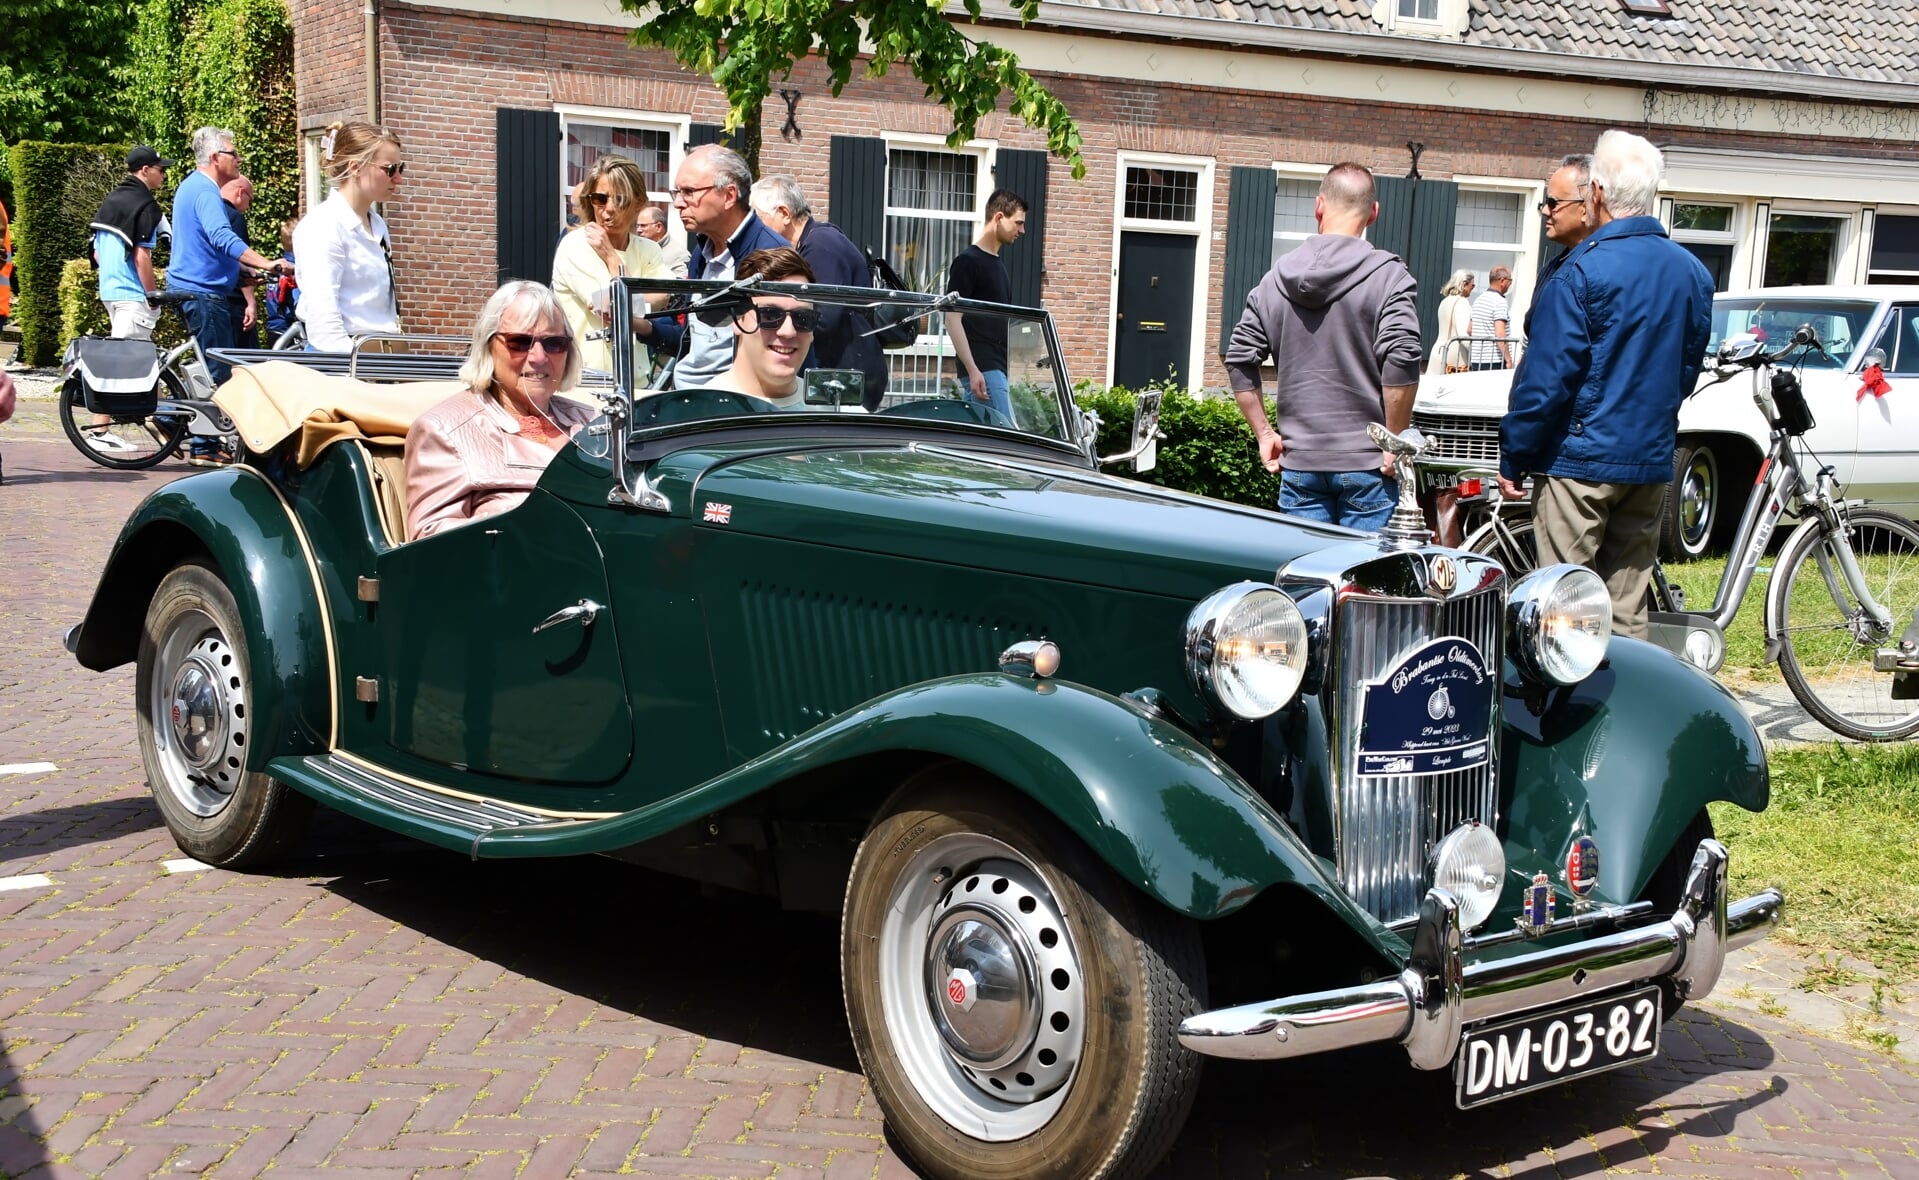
[520, 344]
[769, 319]
[603, 199]
[393, 171]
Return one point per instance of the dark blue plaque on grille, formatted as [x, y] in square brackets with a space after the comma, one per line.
[1430, 714]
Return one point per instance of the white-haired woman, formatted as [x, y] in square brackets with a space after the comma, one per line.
[346, 260]
[479, 452]
[1455, 319]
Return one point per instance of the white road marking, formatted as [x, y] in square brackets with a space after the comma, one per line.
[29, 881]
[27, 767]
[184, 865]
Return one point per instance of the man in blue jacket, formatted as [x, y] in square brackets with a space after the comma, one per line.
[710, 191]
[207, 254]
[1619, 335]
[841, 341]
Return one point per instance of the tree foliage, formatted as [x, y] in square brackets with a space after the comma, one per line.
[744, 44]
[64, 70]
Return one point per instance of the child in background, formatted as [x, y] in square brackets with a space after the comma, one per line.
[282, 293]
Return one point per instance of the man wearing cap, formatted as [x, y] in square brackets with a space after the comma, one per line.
[126, 231]
[207, 254]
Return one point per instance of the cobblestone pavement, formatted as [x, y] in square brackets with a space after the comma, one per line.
[375, 1008]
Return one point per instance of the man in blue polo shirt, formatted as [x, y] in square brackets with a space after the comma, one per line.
[207, 254]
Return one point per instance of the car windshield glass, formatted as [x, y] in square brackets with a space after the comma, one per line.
[1840, 323]
[864, 356]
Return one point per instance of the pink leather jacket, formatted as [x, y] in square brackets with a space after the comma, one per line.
[465, 460]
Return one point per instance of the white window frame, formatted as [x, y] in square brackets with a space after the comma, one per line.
[1869, 233]
[986, 151]
[678, 127]
[1739, 237]
[314, 181]
[1200, 228]
[1848, 260]
[1532, 237]
[1450, 23]
[1313, 173]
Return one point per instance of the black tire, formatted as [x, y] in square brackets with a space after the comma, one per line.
[1696, 504]
[195, 714]
[151, 438]
[1074, 1071]
[1668, 885]
[1510, 542]
[1828, 643]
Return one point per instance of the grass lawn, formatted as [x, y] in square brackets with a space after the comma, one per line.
[1745, 639]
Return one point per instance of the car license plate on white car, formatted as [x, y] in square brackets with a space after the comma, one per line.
[1552, 1047]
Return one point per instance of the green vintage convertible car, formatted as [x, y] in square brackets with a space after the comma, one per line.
[1104, 779]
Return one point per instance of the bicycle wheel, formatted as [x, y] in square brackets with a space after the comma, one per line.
[129, 443]
[1828, 640]
[1510, 542]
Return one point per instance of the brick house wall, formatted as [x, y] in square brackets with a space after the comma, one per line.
[444, 72]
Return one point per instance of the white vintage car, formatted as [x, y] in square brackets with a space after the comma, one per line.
[1870, 438]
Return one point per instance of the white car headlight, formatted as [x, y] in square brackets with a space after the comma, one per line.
[1558, 624]
[1470, 864]
[1246, 649]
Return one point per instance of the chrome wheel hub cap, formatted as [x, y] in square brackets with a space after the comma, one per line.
[198, 719]
[1001, 983]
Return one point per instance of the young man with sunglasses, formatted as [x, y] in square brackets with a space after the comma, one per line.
[773, 334]
[207, 254]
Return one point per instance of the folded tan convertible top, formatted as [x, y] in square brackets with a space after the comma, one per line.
[272, 401]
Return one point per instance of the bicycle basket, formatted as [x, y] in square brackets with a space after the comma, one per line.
[1789, 400]
[117, 377]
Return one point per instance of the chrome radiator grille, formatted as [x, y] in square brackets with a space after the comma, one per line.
[1385, 826]
[1459, 438]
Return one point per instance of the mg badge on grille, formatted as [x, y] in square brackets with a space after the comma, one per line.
[1582, 866]
[1445, 573]
[1537, 913]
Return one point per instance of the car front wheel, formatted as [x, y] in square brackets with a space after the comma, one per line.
[1694, 504]
[195, 711]
[1014, 1005]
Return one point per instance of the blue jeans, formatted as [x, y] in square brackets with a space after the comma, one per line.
[996, 395]
[210, 318]
[1356, 499]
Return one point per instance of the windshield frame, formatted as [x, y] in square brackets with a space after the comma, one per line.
[627, 294]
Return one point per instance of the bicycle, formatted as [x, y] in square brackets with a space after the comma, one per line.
[1842, 610]
[154, 401]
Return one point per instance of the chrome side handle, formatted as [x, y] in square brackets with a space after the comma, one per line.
[582, 612]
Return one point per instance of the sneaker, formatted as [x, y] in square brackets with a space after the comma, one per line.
[207, 452]
[109, 443]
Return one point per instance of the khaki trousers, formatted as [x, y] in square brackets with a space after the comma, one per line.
[1612, 529]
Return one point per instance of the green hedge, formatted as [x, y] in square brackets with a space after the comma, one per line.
[1208, 448]
[60, 187]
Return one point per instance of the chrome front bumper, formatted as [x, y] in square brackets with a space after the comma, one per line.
[1428, 1005]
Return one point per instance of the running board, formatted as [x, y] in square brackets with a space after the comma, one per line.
[458, 822]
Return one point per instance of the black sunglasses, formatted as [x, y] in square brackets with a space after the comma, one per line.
[520, 344]
[769, 319]
[393, 171]
[1548, 204]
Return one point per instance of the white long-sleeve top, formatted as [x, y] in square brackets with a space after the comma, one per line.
[346, 286]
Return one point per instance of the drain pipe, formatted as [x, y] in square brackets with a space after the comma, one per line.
[372, 14]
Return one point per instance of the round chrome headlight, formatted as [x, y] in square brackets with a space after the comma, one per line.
[1246, 649]
[1558, 623]
[1470, 864]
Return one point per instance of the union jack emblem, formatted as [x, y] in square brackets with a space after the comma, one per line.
[718, 513]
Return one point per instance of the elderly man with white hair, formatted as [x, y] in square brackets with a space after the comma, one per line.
[1619, 335]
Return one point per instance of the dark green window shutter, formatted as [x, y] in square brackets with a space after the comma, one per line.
[1249, 243]
[1429, 247]
[1025, 173]
[856, 178]
[1548, 250]
[526, 219]
[1393, 230]
[701, 134]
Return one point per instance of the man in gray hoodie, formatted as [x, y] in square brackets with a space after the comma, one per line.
[1338, 318]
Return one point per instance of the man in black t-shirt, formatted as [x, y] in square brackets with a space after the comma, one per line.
[977, 273]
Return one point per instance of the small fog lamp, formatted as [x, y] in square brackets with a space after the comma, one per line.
[1470, 864]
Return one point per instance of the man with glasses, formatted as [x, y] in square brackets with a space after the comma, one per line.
[710, 190]
[127, 229]
[1567, 217]
[207, 254]
[653, 229]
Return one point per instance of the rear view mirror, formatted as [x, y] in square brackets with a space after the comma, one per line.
[835, 387]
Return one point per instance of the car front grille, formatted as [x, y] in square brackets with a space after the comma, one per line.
[1459, 438]
[1385, 826]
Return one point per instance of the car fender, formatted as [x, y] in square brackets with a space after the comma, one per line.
[239, 522]
[1629, 756]
[1156, 805]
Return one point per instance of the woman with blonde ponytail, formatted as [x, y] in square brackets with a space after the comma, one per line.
[345, 259]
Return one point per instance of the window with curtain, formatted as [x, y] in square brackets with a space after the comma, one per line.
[649, 147]
[932, 212]
[1487, 232]
[1293, 213]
